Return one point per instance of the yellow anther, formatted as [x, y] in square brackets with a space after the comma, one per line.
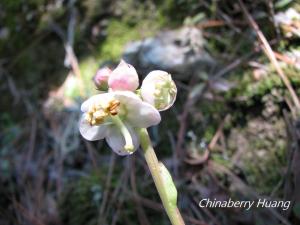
[100, 114]
[88, 117]
[97, 113]
[113, 107]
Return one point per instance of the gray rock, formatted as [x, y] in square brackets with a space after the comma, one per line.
[180, 52]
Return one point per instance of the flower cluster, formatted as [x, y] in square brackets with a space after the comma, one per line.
[120, 110]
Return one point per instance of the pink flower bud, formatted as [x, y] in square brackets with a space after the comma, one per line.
[101, 78]
[123, 78]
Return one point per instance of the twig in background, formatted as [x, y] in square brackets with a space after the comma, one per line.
[90, 150]
[217, 135]
[210, 215]
[245, 189]
[72, 59]
[142, 217]
[195, 210]
[292, 175]
[270, 54]
[198, 160]
[194, 221]
[233, 65]
[120, 190]
[68, 40]
[285, 58]
[270, 5]
[19, 95]
[107, 187]
[174, 158]
[27, 214]
[13, 89]
[183, 123]
[224, 16]
[31, 147]
[147, 202]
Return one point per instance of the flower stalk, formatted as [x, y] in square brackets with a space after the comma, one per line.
[121, 114]
[168, 199]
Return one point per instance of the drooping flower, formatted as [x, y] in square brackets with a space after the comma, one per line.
[116, 116]
[101, 78]
[123, 78]
[159, 90]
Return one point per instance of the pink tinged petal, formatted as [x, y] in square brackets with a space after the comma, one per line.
[104, 98]
[101, 78]
[102, 74]
[123, 78]
[139, 114]
[91, 133]
[116, 141]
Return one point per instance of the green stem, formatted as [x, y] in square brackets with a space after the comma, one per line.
[153, 164]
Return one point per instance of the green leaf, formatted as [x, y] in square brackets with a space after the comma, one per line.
[168, 184]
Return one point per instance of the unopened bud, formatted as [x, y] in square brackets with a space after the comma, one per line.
[123, 78]
[101, 78]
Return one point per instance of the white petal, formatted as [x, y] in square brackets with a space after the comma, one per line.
[103, 98]
[91, 133]
[139, 113]
[116, 140]
[147, 90]
[156, 75]
[120, 95]
[143, 115]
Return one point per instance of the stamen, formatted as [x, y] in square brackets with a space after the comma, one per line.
[164, 92]
[97, 113]
[125, 132]
[113, 107]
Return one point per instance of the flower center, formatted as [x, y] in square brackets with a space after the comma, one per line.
[165, 91]
[98, 113]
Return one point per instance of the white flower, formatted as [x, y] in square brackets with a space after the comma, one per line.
[123, 78]
[159, 90]
[116, 116]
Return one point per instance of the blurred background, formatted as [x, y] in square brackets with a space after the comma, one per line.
[234, 131]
